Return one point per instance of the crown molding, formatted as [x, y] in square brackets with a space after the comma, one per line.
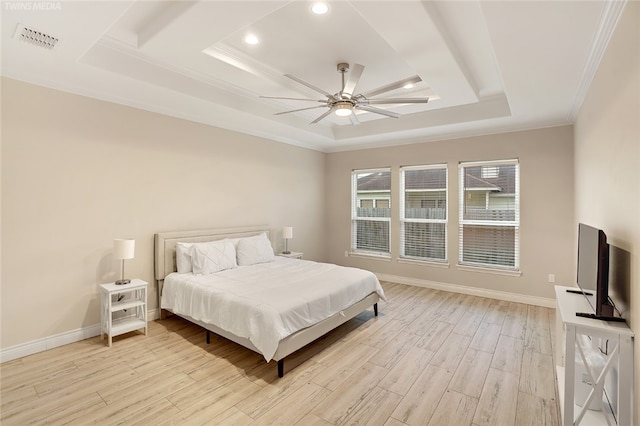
[609, 19]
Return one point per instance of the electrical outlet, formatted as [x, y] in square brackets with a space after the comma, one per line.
[552, 278]
[346, 253]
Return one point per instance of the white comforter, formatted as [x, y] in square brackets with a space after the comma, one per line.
[267, 302]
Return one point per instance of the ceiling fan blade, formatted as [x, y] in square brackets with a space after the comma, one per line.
[293, 99]
[389, 87]
[354, 119]
[322, 116]
[301, 109]
[355, 72]
[378, 111]
[381, 101]
[309, 85]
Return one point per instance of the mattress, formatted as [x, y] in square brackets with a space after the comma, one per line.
[269, 301]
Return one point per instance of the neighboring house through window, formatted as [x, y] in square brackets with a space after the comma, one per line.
[370, 211]
[423, 212]
[489, 217]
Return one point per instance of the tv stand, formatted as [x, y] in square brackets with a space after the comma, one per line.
[620, 354]
[599, 317]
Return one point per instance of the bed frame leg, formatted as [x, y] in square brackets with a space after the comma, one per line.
[375, 309]
[208, 337]
[281, 368]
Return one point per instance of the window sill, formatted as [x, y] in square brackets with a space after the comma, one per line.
[430, 263]
[365, 255]
[494, 271]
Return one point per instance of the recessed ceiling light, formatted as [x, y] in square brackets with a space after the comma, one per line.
[408, 86]
[251, 39]
[320, 8]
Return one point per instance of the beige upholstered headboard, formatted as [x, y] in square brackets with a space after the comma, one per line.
[165, 245]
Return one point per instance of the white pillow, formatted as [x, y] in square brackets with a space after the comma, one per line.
[234, 241]
[183, 257]
[252, 250]
[213, 256]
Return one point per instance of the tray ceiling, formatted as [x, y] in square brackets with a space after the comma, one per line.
[487, 66]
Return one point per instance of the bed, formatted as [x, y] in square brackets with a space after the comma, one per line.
[284, 303]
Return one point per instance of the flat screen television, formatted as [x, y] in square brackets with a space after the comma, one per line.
[593, 270]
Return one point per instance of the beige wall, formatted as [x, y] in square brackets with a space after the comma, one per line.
[607, 157]
[77, 173]
[546, 185]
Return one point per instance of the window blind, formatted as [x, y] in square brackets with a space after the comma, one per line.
[423, 212]
[489, 217]
[370, 211]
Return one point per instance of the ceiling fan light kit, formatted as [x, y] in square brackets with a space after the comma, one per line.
[346, 101]
[343, 109]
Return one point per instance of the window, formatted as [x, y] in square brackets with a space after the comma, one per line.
[490, 214]
[423, 212]
[370, 211]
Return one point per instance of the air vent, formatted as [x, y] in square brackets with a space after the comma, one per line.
[35, 37]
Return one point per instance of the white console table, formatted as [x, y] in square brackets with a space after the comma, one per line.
[620, 351]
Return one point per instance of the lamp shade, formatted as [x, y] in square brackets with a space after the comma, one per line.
[124, 249]
[287, 232]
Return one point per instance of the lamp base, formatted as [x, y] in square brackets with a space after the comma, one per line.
[286, 252]
[123, 282]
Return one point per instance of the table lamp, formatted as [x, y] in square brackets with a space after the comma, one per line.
[287, 234]
[123, 249]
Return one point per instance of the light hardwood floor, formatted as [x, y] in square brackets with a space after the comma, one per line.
[430, 358]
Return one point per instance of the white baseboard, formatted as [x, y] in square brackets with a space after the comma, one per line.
[46, 343]
[474, 291]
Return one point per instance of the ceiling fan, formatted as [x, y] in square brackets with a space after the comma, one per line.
[346, 101]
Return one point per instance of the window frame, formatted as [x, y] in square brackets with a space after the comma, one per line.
[515, 224]
[403, 219]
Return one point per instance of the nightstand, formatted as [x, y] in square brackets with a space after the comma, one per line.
[134, 301]
[292, 255]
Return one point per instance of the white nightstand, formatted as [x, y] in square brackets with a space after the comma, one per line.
[292, 255]
[135, 301]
